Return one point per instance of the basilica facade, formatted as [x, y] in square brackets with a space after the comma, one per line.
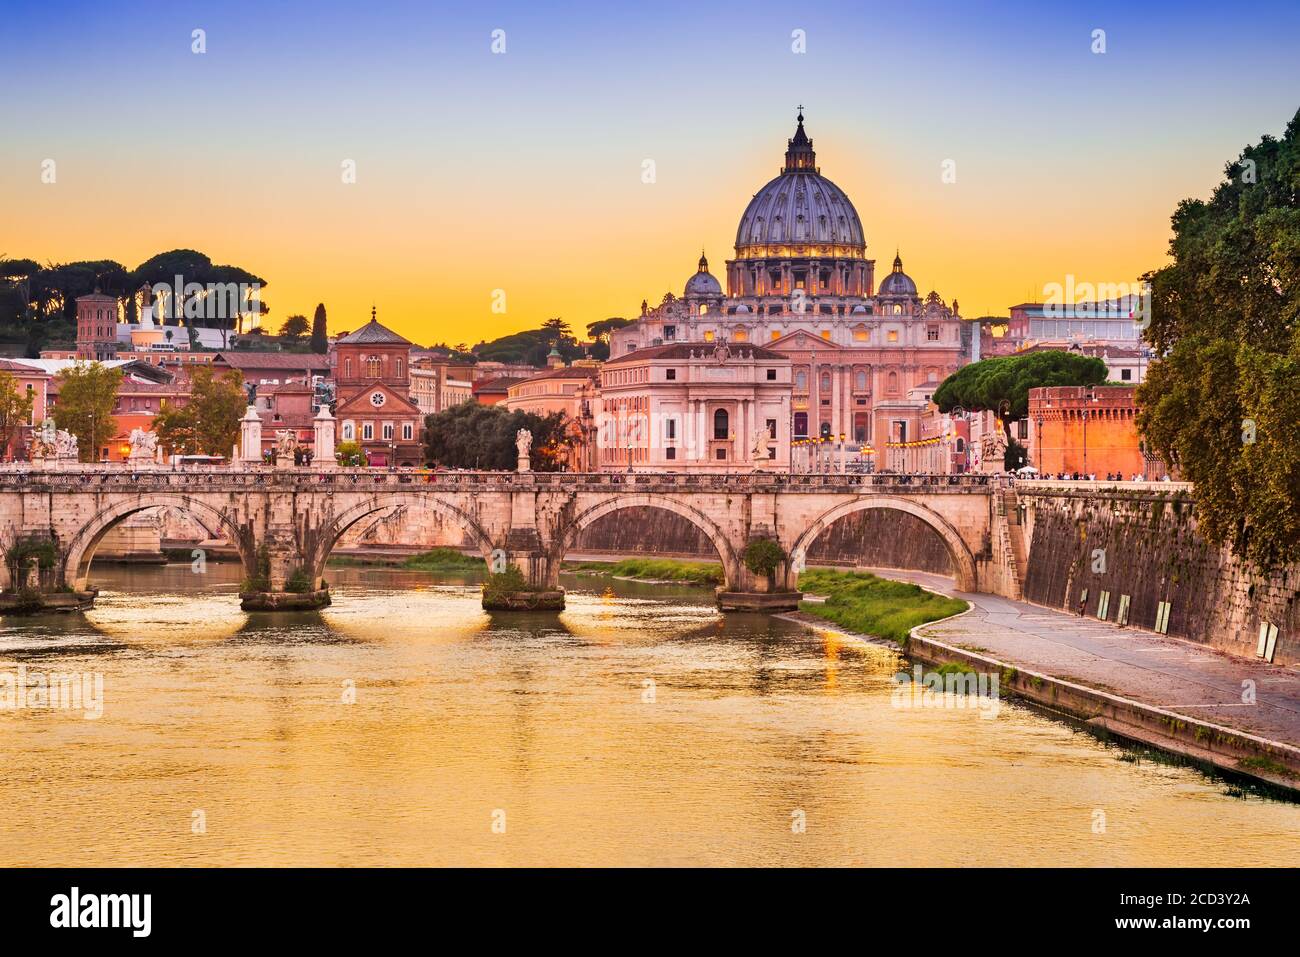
[864, 354]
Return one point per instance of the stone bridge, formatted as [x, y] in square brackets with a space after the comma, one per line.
[284, 522]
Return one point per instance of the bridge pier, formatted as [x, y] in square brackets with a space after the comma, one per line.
[746, 591]
[282, 579]
[523, 577]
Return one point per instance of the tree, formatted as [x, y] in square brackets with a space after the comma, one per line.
[476, 436]
[1220, 401]
[350, 454]
[209, 423]
[15, 410]
[1002, 384]
[87, 394]
[294, 328]
[320, 342]
[601, 328]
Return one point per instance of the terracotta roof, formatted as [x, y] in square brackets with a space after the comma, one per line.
[274, 360]
[702, 351]
[562, 372]
[496, 383]
[9, 365]
[373, 333]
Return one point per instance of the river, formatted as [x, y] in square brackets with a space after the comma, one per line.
[405, 726]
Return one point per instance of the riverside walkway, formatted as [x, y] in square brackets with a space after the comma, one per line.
[1195, 683]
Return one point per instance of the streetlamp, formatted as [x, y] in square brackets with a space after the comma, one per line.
[842, 447]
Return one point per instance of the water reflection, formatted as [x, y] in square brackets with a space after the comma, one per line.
[639, 726]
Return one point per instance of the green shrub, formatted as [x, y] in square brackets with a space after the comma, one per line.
[299, 582]
[499, 585]
[874, 606]
[763, 556]
[441, 559]
[261, 579]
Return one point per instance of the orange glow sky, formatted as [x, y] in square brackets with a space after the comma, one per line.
[522, 171]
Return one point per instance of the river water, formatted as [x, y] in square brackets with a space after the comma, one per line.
[405, 726]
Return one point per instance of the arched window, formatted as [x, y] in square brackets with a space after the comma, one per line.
[741, 335]
[721, 424]
[961, 445]
[860, 381]
[349, 431]
[801, 381]
[893, 382]
[826, 382]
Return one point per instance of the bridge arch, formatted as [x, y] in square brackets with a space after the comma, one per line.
[963, 562]
[336, 529]
[81, 550]
[575, 526]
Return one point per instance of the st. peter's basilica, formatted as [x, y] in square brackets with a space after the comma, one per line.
[864, 356]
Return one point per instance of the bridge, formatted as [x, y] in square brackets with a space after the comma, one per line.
[284, 522]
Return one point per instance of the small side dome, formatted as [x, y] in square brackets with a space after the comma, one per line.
[703, 285]
[897, 283]
[859, 310]
[743, 310]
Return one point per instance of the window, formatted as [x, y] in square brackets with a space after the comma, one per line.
[670, 333]
[893, 335]
[801, 425]
[368, 431]
[932, 333]
[741, 335]
[670, 453]
[708, 336]
[721, 424]
[670, 374]
[1125, 375]
[670, 428]
[771, 428]
[399, 368]
[826, 334]
[388, 431]
[372, 366]
[826, 382]
[860, 335]
[408, 431]
[893, 382]
[771, 375]
[776, 334]
[347, 367]
[721, 455]
[801, 381]
[860, 381]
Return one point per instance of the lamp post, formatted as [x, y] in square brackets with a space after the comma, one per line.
[1040, 454]
[842, 448]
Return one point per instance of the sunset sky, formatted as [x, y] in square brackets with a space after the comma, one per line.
[522, 171]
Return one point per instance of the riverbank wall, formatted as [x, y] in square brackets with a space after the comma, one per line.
[1138, 557]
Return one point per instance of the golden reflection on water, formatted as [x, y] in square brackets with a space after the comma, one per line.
[456, 714]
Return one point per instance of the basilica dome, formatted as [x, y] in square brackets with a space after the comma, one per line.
[800, 207]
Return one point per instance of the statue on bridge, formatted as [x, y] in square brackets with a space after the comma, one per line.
[144, 445]
[759, 448]
[523, 443]
[65, 446]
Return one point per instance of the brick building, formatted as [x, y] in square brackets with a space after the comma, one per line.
[372, 376]
[1091, 430]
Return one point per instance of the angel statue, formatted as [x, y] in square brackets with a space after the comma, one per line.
[65, 444]
[761, 438]
[523, 442]
[144, 444]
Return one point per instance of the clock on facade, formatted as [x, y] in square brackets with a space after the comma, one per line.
[377, 399]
